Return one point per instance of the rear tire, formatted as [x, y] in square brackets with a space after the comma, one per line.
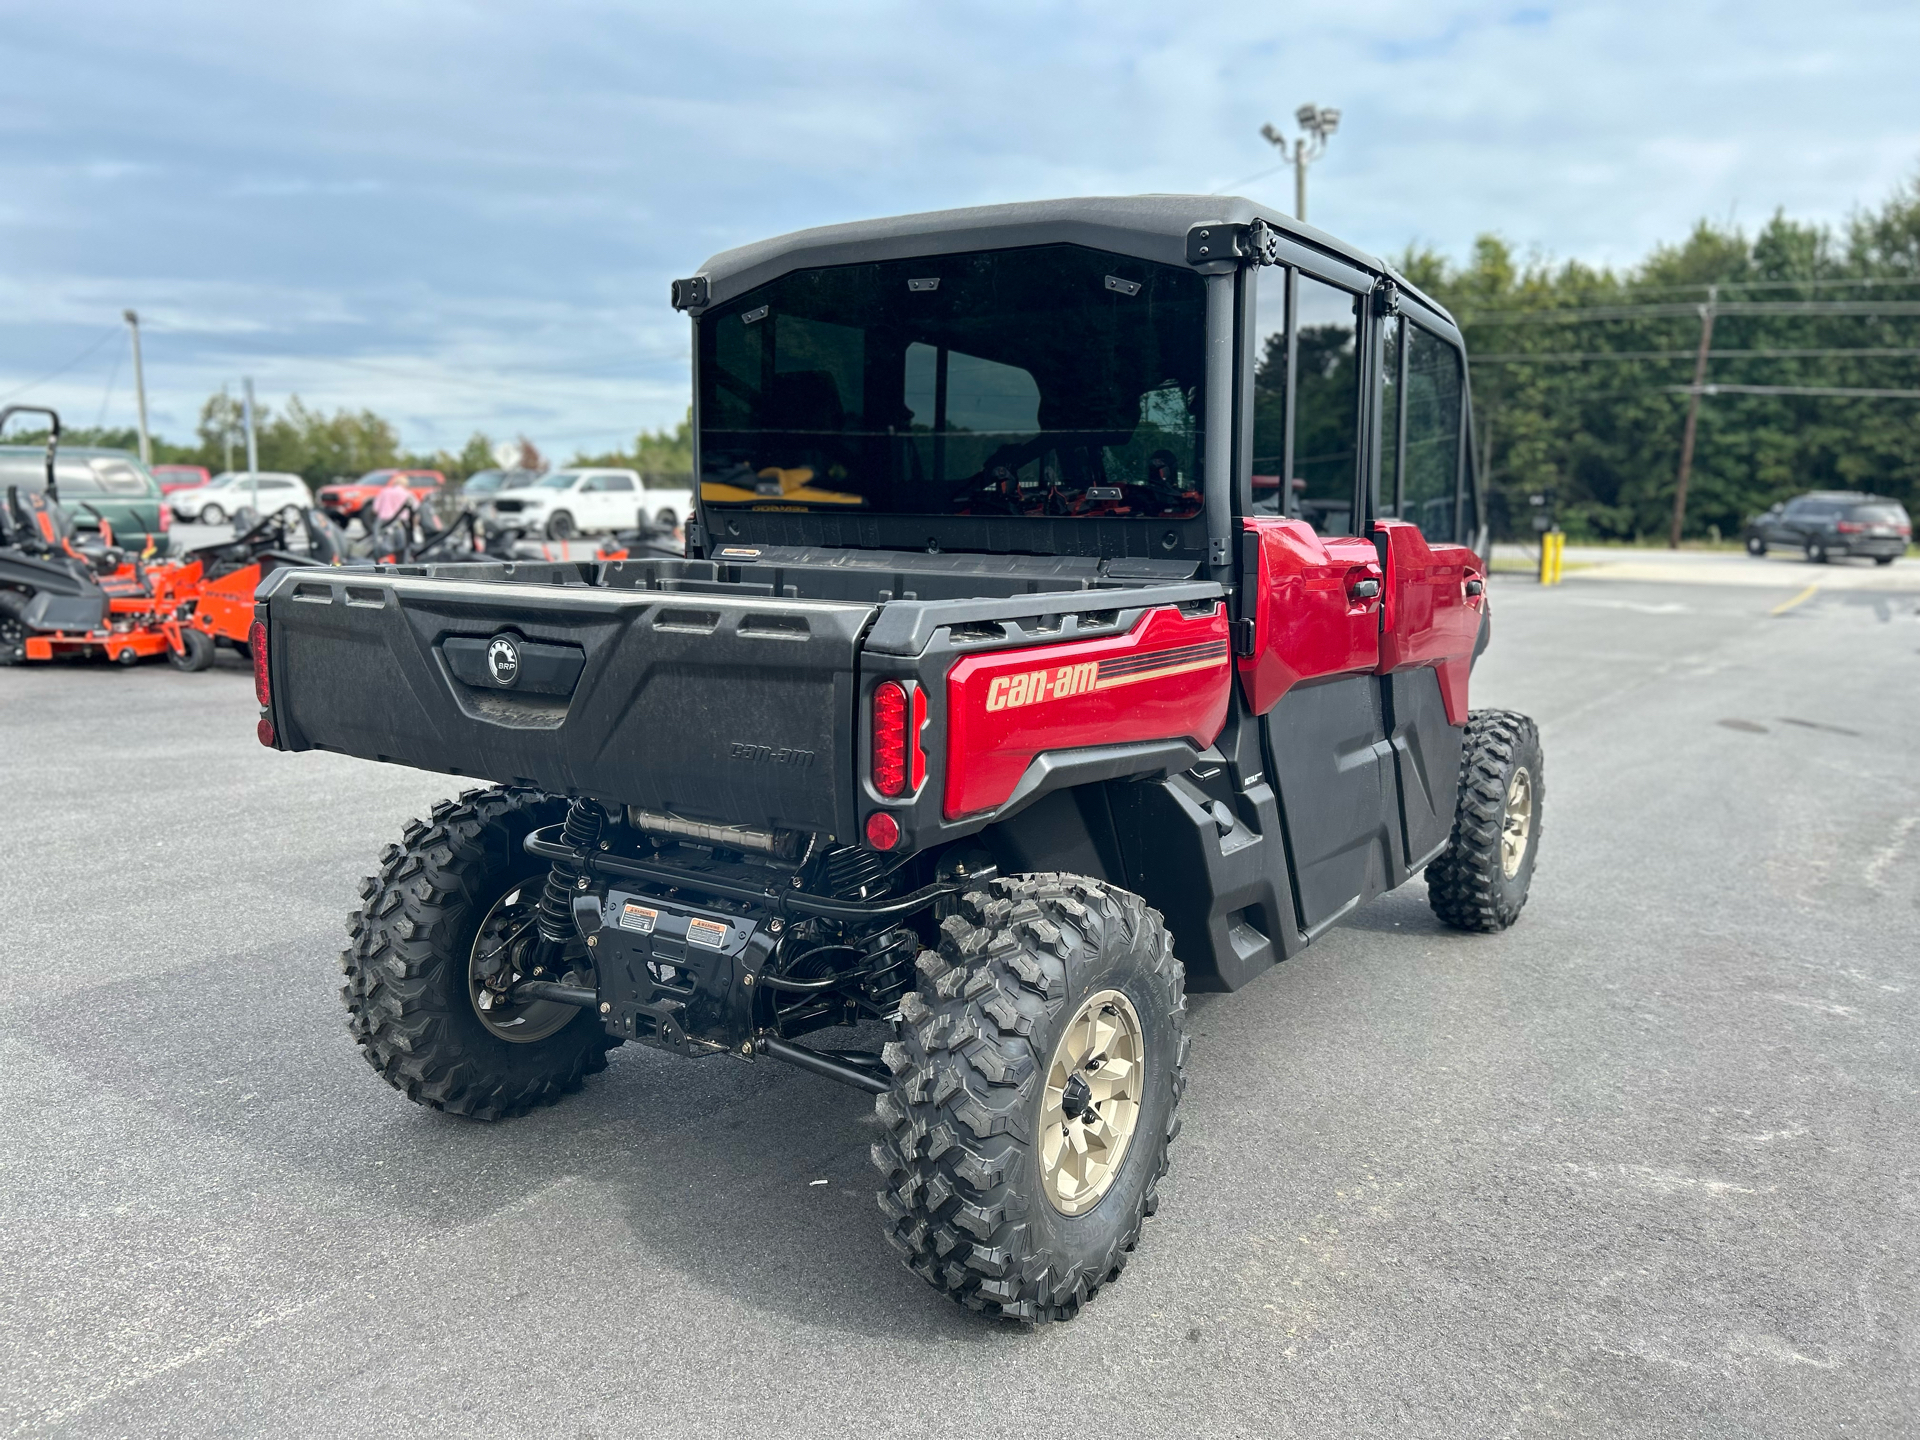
[1816, 553]
[1480, 881]
[1884, 559]
[560, 526]
[198, 654]
[407, 960]
[972, 1168]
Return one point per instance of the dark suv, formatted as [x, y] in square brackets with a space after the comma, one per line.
[1827, 523]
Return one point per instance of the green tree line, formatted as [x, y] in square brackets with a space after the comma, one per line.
[1591, 407]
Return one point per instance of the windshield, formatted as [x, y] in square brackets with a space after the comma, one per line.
[376, 477]
[1052, 381]
[559, 480]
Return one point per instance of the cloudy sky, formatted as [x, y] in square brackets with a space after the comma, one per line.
[464, 215]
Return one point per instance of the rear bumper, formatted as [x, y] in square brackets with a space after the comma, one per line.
[1867, 545]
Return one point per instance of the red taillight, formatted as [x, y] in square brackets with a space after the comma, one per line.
[883, 831]
[166, 516]
[914, 749]
[889, 744]
[257, 647]
[1849, 527]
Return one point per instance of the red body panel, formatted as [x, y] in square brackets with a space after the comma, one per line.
[1168, 678]
[422, 484]
[225, 606]
[1429, 618]
[1306, 626]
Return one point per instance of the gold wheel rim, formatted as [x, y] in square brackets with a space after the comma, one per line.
[1092, 1101]
[1516, 826]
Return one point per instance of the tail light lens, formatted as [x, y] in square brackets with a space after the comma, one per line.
[257, 648]
[1849, 527]
[166, 516]
[889, 740]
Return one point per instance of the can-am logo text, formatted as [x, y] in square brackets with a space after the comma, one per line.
[1033, 686]
[770, 754]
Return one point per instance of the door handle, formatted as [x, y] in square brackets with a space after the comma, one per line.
[1361, 590]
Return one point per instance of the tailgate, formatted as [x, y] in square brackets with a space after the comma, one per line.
[716, 707]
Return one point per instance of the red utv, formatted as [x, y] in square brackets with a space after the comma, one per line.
[993, 705]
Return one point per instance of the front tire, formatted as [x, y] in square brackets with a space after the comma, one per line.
[212, 515]
[561, 526]
[1052, 999]
[1756, 546]
[1480, 881]
[412, 945]
[197, 655]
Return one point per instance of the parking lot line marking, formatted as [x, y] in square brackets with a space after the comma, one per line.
[1804, 595]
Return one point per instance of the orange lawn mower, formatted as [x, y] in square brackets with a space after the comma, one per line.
[63, 594]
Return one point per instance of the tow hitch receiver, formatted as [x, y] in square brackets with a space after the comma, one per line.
[673, 975]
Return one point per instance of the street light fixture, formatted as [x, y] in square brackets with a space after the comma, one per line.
[1317, 124]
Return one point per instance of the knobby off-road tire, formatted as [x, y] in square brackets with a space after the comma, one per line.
[407, 959]
[965, 1199]
[1479, 882]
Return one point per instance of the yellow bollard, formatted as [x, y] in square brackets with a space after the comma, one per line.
[1553, 548]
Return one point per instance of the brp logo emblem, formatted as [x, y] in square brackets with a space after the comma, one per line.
[503, 661]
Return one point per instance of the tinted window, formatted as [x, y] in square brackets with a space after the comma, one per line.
[1052, 381]
[605, 483]
[1433, 434]
[1885, 514]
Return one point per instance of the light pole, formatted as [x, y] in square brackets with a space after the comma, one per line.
[1317, 124]
[140, 388]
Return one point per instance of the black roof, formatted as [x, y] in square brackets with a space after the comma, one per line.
[1153, 227]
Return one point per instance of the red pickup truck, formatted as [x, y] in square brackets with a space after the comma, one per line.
[343, 501]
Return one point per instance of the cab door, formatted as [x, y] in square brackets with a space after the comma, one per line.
[1311, 604]
[1435, 593]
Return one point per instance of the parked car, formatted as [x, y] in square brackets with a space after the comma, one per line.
[483, 484]
[670, 508]
[1830, 523]
[344, 499]
[96, 485]
[572, 502]
[264, 492]
[181, 477]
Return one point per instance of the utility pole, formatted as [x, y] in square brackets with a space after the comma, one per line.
[1318, 124]
[246, 416]
[1693, 416]
[140, 388]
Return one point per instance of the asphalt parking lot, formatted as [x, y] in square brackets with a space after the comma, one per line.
[1645, 1164]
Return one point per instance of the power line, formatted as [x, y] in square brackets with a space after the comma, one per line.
[1521, 357]
[1846, 392]
[1663, 310]
[54, 374]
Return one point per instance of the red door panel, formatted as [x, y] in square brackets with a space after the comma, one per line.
[1429, 618]
[1308, 623]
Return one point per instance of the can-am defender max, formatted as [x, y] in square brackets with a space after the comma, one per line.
[1003, 696]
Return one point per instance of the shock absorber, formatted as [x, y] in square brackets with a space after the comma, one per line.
[581, 833]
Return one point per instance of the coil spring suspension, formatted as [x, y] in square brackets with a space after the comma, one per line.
[581, 833]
